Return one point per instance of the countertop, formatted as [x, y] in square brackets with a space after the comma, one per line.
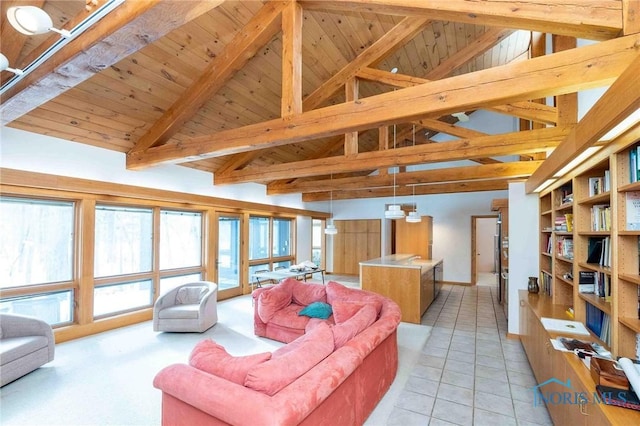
[402, 261]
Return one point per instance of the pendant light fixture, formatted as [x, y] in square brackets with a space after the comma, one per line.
[31, 20]
[4, 66]
[414, 217]
[394, 211]
[331, 228]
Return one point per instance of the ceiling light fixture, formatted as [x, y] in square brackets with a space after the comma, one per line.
[4, 66]
[31, 20]
[331, 228]
[414, 217]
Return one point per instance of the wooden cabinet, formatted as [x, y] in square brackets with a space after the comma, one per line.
[415, 238]
[356, 240]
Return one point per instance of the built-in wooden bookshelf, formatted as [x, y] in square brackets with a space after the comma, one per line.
[602, 218]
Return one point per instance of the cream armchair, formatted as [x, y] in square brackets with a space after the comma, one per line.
[26, 343]
[187, 308]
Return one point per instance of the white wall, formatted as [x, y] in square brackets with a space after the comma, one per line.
[38, 153]
[524, 233]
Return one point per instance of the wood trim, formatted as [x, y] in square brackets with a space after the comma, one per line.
[23, 179]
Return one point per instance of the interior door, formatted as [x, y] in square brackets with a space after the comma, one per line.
[228, 256]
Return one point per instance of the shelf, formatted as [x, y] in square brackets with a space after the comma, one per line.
[597, 301]
[595, 233]
[545, 254]
[632, 323]
[596, 199]
[546, 272]
[564, 280]
[595, 267]
[565, 206]
[563, 233]
[631, 278]
[629, 233]
[635, 186]
[546, 212]
[564, 259]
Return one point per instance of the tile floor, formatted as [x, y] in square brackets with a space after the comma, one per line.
[469, 373]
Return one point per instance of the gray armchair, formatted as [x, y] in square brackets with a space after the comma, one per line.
[190, 307]
[26, 343]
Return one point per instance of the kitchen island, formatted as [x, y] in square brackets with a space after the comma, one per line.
[413, 283]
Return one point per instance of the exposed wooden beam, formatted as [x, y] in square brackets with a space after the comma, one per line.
[486, 146]
[564, 72]
[449, 129]
[435, 188]
[528, 110]
[618, 102]
[128, 28]
[292, 60]
[396, 37]
[599, 19]
[630, 16]
[519, 169]
[260, 29]
[475, 48]
[351, 89]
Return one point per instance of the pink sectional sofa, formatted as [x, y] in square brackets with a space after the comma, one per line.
[333, 371]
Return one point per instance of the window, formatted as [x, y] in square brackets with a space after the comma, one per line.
[258, 238]
[37, 241]
[124, 238]
[169, 283]
[55, 308]
[281, 237]
[180, 239]
[270, 243]
[121, 297]
[316, 242]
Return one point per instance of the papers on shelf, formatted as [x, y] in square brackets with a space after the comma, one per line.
[564, 326]
[632, 371]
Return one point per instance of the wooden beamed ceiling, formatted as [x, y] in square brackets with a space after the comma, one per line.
[303, 96]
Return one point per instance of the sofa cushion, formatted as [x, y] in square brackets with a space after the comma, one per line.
[13, 348]
[337, 291]
[317, 310]
[288, 317]
[209, 356]
[288, 364]
[190, 294]
[305, 294]
[180, 312]
[272, 300]
[343, 310]
[345, 331]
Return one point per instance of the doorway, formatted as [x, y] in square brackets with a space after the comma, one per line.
[228, 259]
[484, 250]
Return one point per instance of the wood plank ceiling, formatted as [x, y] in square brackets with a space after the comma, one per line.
[301, 96]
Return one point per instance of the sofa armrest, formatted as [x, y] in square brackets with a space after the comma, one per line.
[214, 395]
[19, 325]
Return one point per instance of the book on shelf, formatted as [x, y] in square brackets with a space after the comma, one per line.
[587, 282]
[560, 223]
[632, 202]
[603, 286]
[545, 283]
[599, 251]
[600, 184]
[599, 323]
[601, 217]
[569, 219]
[633, 164]
[564, 247]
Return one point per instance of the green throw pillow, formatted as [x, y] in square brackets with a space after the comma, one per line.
[317, 310]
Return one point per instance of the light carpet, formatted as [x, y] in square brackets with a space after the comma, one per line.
[106, 379]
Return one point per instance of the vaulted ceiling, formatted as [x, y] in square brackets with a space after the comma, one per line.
[317, 96]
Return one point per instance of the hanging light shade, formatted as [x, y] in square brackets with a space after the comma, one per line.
[31, 20]
[414, 217]
[331, 229]
[394, 211]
